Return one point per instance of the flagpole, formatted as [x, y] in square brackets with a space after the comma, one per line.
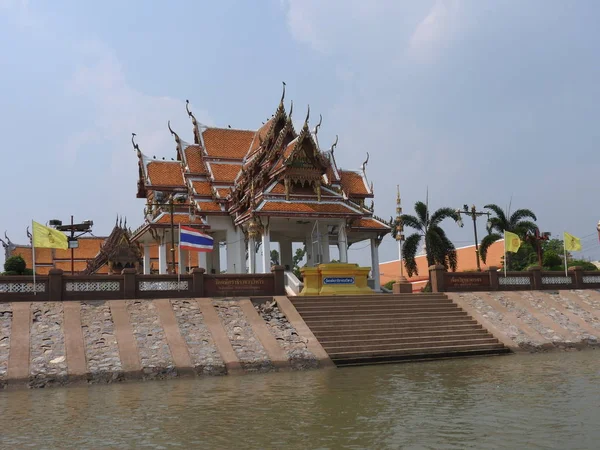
[179, 257]
[565, 249]
[505, 262]
[33, 256]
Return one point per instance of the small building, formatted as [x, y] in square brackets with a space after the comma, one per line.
[250, 188]
[466, 258]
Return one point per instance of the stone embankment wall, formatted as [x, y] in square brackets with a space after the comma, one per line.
[537, 320]
[107, 341]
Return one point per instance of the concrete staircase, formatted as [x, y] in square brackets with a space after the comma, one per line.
[384, 328]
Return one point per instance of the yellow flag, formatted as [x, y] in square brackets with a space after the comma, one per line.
[44, 237]
[572, 243]
[511, 242]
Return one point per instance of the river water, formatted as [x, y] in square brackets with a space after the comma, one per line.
[513, 402]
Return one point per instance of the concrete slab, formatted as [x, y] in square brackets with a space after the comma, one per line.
[214, 325]
[74, 344]
[261, 330]
[177, 345]
[18, 358]
[128, 350]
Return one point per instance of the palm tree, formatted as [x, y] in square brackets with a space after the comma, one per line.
[438, 248]
[517, 223]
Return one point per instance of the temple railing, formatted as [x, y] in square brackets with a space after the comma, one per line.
[57, 286]
[293, 286]
[495, 280]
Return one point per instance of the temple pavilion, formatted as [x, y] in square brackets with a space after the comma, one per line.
[252, 188]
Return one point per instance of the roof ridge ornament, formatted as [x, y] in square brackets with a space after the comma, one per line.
[334, 145]
[282, 95]
[177, 141]
[319, 124]
[291, 110]
[364, 165]
[307, 116]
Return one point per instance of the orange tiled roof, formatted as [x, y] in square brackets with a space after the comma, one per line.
[327, 208]
[165, 173]
[262, 132]
[227, 143]
[193, 156]
[202, 187]
[179, 219]
[353, 184]
[208, 206]
[368, 223]
[223, 192]
[88, 249]
[225, 172]
[278, 189]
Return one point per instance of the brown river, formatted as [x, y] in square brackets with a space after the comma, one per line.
[511, 402]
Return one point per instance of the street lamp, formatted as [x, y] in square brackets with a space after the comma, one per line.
[474, 214]
[81, 228]
[179, 198]
[399, 234]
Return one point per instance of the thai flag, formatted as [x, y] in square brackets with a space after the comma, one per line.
[195, 240]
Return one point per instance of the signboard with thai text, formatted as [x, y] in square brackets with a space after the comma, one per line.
[457, 282]
[238, 285]
[338, 280]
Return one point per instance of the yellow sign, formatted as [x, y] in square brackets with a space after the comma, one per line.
[45, 237]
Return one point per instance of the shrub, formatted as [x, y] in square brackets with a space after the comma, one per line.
[389, 285]
[15, 265]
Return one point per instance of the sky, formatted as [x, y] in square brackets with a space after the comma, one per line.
[475, 101]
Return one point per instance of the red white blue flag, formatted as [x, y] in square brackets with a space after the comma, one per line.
[195, 240]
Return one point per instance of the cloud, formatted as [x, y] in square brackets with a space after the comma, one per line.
[435, 29]
[115, 109]
[19, 12]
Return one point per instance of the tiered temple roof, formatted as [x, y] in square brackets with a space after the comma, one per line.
[272, 171]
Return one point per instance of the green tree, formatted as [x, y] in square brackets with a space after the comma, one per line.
[297, 259]
[274, 257]
[519, 223]
[438, 248]
[551, 259]
[15, 265]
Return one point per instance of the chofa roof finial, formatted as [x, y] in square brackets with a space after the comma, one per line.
[291, 110]
[282, 95]
[319, 124]
[187, 108]
[334, 145]
[364, 165]
[307, 116]
[194, 122]
[170, 129]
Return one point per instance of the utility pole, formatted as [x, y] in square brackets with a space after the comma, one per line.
[83, 228]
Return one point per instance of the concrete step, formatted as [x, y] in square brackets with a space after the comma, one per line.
[362, 307]
[374, 311]
[385, 319]
[333, 349]
[398, 331]
[353, 339]
[373, 296]
[416, 350]
[415, 357]
[365, 300]
[397, 325]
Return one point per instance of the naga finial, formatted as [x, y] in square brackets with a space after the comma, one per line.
[307, 116]
[282, 94]
[319, 124]
[170, 129]
[291, 110]
[364, 165]
[187, 108]
[334, 145]
[135, 146]
[29, 235]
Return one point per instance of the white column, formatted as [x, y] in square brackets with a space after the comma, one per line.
[236, 251]
[266, 248]
[146, 259]
[324, 244]
[343, 243]
[310, 257]
[202, 260]
[251, 255]
[184, 262]
[215, 259]
[375, 263]
[162, 258]
[286, 253]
